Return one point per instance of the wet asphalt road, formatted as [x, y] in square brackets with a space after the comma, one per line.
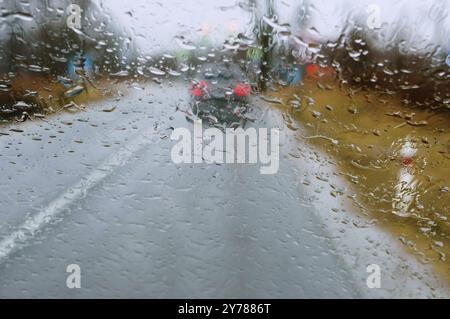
[99, 189]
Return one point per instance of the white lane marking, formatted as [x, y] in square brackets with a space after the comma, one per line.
[32, 225]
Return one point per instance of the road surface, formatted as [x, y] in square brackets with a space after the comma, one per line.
[99, 189]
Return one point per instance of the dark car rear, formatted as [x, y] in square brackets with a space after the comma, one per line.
[220, 94]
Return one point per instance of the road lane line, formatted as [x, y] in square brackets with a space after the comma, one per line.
[32, 225]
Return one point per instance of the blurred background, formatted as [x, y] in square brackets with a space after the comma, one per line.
[91, 90]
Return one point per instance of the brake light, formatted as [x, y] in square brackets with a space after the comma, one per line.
[196, 91]
[242, 89]
[199, 88]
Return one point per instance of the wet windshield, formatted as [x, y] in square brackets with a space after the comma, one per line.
[225, 149]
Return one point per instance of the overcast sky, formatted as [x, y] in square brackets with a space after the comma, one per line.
[154, 24]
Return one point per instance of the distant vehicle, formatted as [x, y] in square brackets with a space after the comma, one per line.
[220, 94]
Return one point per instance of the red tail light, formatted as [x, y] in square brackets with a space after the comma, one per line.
[242, 89]
[196, 91]
[199, 88]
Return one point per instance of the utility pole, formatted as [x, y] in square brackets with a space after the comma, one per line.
[263, 32]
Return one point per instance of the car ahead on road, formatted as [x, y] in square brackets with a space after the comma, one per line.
[220, 95]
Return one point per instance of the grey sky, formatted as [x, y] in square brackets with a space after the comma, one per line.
[155, 24]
